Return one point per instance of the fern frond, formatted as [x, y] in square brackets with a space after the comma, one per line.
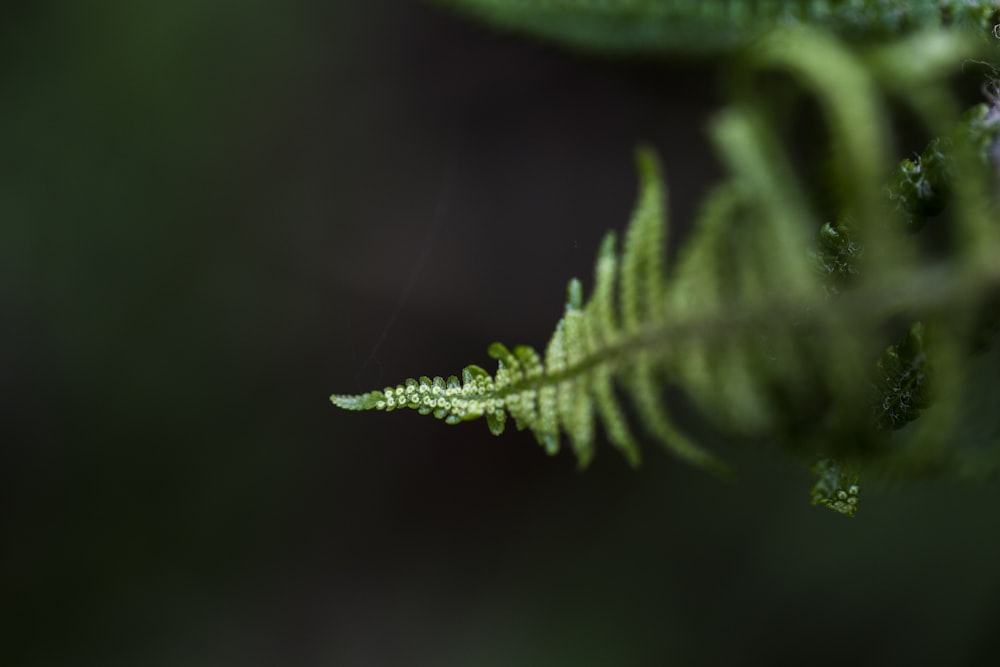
[762, 344]
[711, 27]
[594, 344]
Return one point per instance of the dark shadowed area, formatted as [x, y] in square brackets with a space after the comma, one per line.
[214, 214]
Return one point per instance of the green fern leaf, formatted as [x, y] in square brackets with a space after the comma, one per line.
[592, 346]
[920, 188]
[711, 27]
[744, 325]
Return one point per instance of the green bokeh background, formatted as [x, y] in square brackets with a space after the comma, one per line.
[212, 213]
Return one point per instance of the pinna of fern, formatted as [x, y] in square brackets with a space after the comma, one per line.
[743, 323]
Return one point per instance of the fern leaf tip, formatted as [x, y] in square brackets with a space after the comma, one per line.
[367, 401]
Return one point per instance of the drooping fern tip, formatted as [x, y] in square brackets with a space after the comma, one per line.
[565, 390]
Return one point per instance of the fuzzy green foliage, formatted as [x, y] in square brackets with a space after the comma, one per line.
[775, 331]
[920, 188]
[706, 27]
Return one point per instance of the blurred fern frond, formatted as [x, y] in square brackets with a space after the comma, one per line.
[763, 345]
[694, 28]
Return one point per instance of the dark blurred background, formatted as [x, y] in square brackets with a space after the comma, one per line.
[214, 214]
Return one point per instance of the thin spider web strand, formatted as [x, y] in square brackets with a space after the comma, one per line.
[437, 223]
